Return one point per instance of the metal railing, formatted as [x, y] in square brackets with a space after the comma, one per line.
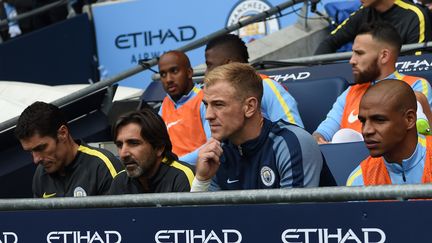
[9, 124]
[264, 196]
[33, 12]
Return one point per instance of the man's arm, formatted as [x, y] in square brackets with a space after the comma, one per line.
[331, 124]
[419, 28]
[192, 157]
[298, 158]
[108, 168]
[355, 178]
[423, 86]
[277, 103]
[116, 186]
[425, 106]
[207, 165]
[344, 33]
[183, 182]
[319, 138]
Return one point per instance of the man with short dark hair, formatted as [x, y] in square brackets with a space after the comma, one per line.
[375, 52]
[145, 149]
[65, 167]
[182, 109]
[248, 151]
[398, 155]
[276, 103]
[411, 22]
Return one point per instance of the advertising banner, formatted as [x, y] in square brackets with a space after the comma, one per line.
[128, 31]
[351, 222]
[411, 65]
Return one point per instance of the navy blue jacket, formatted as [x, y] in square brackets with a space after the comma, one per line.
[283, 155]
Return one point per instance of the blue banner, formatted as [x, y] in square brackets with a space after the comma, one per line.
[411, 65]
[146, 29]
[360, 222]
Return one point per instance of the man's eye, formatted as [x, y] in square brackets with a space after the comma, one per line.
[40, 148]
[134, 142]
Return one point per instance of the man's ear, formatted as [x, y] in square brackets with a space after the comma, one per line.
[410, 118]
[190, 73]
[250, 106]
[159, 151]
[63, 133]
[384, 55]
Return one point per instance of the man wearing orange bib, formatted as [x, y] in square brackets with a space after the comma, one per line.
[375, 52]
[398, 154]
[182, 109]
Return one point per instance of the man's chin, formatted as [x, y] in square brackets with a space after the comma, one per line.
[135, 172]
[49, 169]
[218, 137]
[375, 154]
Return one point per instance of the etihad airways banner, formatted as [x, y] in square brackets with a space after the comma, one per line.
[411, 65]
[351, 222]
[128, 31]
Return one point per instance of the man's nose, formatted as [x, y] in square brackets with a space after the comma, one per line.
[37, 158]
[352, 60]
[209, 113]
[367, 129]
[123, 152]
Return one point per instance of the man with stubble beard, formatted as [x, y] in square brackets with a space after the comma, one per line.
[375, 52]
[146, 151]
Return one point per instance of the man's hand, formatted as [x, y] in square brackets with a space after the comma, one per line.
[208, 160]
[319, 138]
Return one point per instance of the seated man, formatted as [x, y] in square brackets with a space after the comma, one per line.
[276, 103]
[65, 167]
[182, 109]
[398, 155]
[375, 52]
[145, 149]
[411, 23]
[248, 151]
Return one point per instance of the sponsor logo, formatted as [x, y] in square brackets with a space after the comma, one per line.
[414, 66]
[84, 237]
[141, 41]
[229, 181]
[352, 118]
[290, 76]
[246, 9]
[79, 192]
[158, 37]
[170, 124]
[8, 237]
[267, 176]
[198, 236]
[45, 195]
[366, 235]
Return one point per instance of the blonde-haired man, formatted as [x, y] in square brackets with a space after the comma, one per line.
[246, 150]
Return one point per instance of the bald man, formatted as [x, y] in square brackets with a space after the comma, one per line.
[398, 155]
[182, 109]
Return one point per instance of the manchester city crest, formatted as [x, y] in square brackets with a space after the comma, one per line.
[247, 8]
[267, 176]
[79, 192]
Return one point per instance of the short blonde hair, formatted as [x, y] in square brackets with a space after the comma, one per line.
[245, 80]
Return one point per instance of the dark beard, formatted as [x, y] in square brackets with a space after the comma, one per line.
[369, 75]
